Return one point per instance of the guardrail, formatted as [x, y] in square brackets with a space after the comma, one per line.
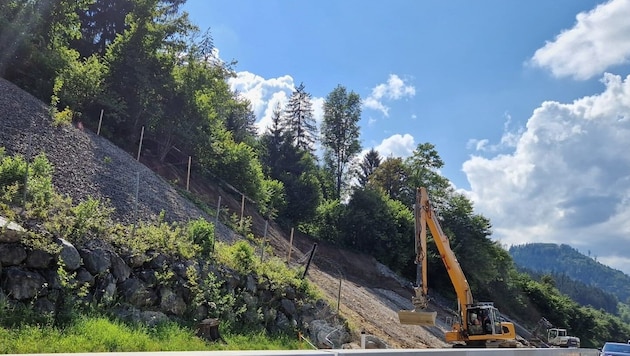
[353, 352]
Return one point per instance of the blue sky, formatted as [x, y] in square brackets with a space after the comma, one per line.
[527, 102]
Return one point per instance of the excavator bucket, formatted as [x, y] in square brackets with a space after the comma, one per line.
[413, 317]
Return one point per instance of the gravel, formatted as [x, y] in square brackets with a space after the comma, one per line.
[87, 165]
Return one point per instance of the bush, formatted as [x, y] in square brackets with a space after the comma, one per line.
[14, 171]
[201, 232]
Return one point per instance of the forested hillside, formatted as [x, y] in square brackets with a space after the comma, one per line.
[581, 277]
[139, 71]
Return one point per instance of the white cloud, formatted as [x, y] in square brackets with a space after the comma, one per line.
[567, 180]
[597, 41]
[394, 89]
[397, 146]
[264, 94]
[509, 139]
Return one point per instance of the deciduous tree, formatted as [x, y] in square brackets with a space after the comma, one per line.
[340, 134]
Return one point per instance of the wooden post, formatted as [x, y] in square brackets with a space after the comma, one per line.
[140, 145]
[208, 329]
[100, 121]
[290, 247]
[188, 176]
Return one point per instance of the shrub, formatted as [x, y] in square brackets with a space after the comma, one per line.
[201, 232]
[239, 256]
[14, 171]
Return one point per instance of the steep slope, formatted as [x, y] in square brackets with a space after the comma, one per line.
[565, 260]
[89, 165]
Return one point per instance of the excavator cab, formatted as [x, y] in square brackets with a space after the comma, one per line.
[483, 319]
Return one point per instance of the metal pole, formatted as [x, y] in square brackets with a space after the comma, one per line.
[290, 247]
[28, 159]
[140, 145]
[216, 223]
[262, 248]
[310, 258]
[339, 296]
[100, 121]
[242, 209]
[135, 209]
[188, 176]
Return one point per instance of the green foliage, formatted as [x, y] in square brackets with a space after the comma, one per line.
[340, 134]
[379, 226]
[13, 175]
[272, 198]
[326, 225]
[170, 239]
[78, 85]
[99, 334]
[367, 166]
[36, 42]
[17, 315]
[565, 260]
[201, 232]
[593, 327]
[62, 118]
[299, 121]
[276, 272]
[240, 256]
[238, 164]
[209, 292]
[87, 220]
[391, 176]
[296, 168]
[71, 301]
[423, 170]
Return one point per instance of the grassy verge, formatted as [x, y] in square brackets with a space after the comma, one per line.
[98, 334]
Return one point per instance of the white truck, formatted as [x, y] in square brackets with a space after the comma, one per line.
[560, 338]
[555, 337]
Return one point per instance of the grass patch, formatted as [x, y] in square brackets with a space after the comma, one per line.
[99, 334]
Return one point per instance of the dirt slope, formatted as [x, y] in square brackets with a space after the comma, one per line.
[89, 165]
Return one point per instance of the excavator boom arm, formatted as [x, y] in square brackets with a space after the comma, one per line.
[455, 272]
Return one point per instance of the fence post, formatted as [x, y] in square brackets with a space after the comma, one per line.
[188, 175]
[310, 258]
[135, 209]
[242, 209]
[264, 239]
[290, 247]
[28, 159]
[216, 223]
[100, 121]
[140, 145]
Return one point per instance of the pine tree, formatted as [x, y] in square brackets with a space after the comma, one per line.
[299, 120]
[370, 162]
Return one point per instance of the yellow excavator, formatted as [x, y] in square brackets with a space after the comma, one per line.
[480, 323]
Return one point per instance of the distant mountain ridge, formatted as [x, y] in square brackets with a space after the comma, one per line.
[564, 260]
